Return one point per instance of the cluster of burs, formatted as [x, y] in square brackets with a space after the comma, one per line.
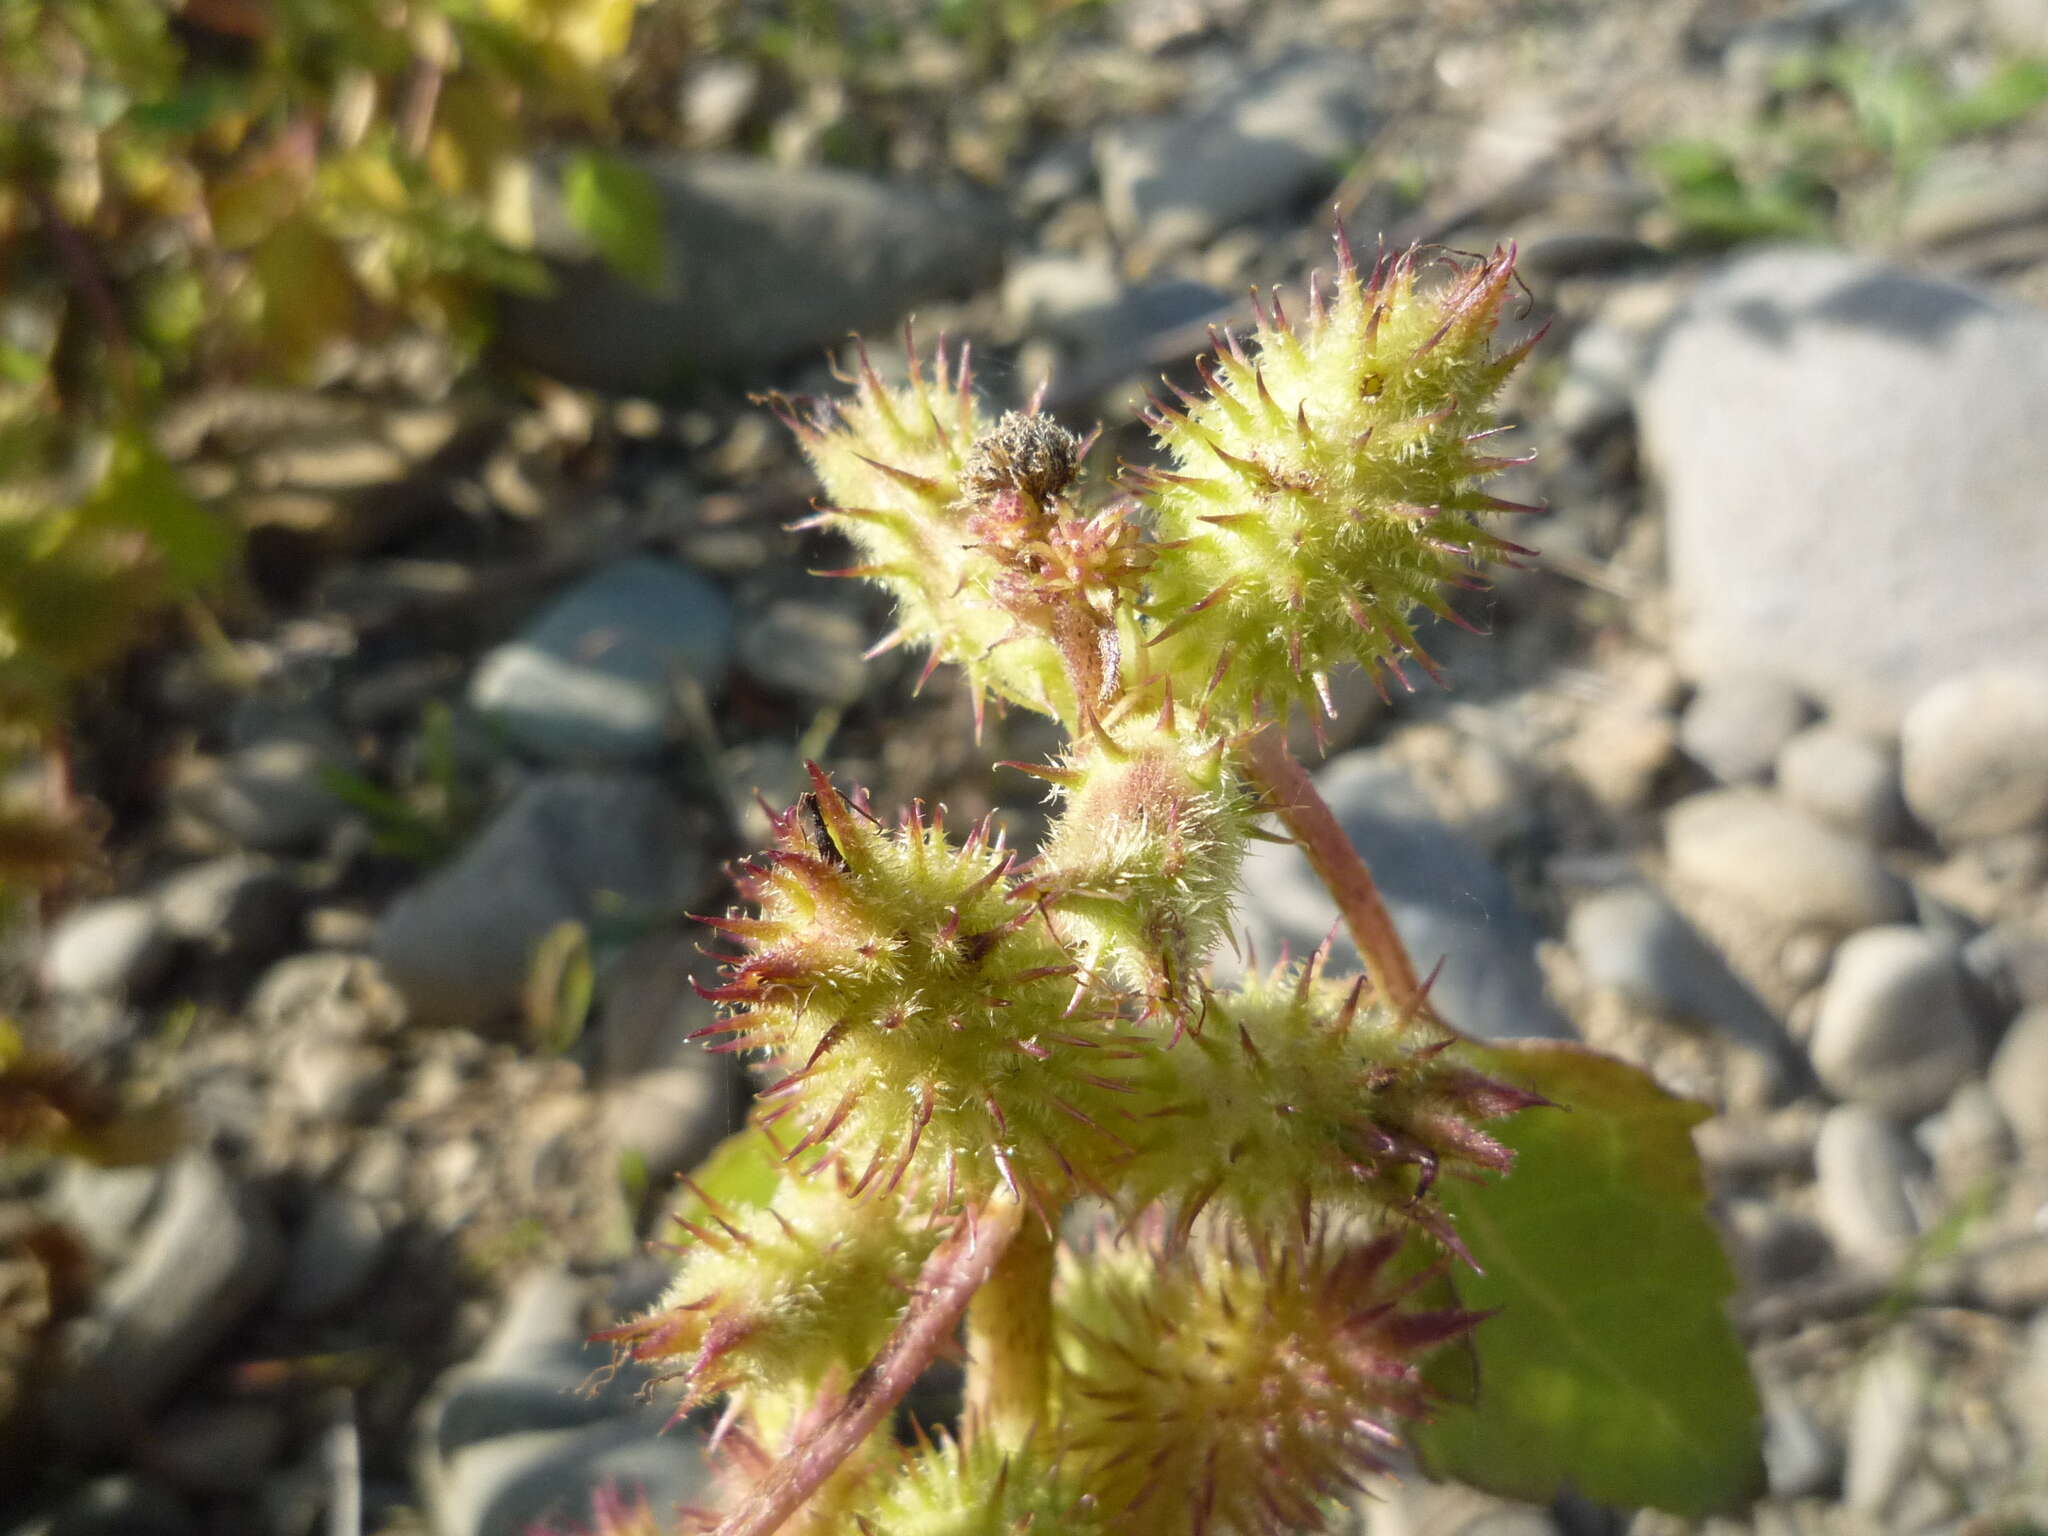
[1225, 1261]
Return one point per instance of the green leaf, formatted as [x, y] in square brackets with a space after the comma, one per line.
[741, 1174]
[614, 203]
[2014, 90]
[141, 492]
[1612, 1367]
[560, 982]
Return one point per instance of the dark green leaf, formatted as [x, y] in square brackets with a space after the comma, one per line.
[1612, 1367]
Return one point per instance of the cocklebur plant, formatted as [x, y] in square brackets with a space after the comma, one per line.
[1197, 1230]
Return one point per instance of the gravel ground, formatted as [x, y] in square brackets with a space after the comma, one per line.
[1753, 769]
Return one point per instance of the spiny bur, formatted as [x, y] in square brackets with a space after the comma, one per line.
[918, 1010]
[892, 463]
[949, 1487]
[1328, 484]
[1239, 1391]
[767, 1302]
[1141, 867]
[957, 1046]
[1303, 1098]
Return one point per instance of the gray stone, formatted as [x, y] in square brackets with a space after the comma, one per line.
[233, 904]
[1780, 862]
[2010, 962]
[1845, 778]
[111, 948]
[1633, 940]
[338, 1246]
[2022, 25]
[716, 95]
[1738, 721]
[217, 1448]
[765, 263]
[270, 792]
[1966, 192]
[546, 1479]
[808, 647]
[1865, 1169]
[207, 1255]
[2028, 1388]
[1059, 294]
[1147, 309]
[1974, 754]
[1448, 900]
[506, 1436]
[594, 677]
[1620, 753]
[2019, 1076]
[103, 1206]
[1060, 175]
[1602, 367]
[1800, 1458]
[1969, 1141]
[569, 846]
[115, 1505]
[326, 1079]
[1885, 1422]
[1775, 1246]
[1256, 147]
[1894, 1031]
[1851, 464]
[319, 993]
[669, 1118]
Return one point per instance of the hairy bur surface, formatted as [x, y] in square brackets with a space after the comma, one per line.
[948, 1036]
[1236, 1393]
[1300, 1100]
[892, 462]
[770, 1302]
[1327, 485]
[922, 1014]
[1141, 866]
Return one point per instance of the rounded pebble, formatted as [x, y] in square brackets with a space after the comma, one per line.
[1864, 1166]
[1844, 778]
[108, 947]
[336, 1250]
[1974, 754]
[1894, 1031]
[2019, 1076]
[1884, 1430]
[1736, 724]
[1780, 862]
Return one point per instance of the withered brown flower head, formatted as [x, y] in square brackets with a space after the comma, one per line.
[1033, 454]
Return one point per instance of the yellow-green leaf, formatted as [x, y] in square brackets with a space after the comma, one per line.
[141, 492]
[741, 1174]
[1612, 1367]
[560, 982]
[615, 204]
[309, 293]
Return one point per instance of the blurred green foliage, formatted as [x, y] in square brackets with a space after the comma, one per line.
[230, 189]
[1836, 116]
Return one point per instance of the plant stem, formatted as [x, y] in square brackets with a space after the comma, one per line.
[1009, 1341]
[1342, 870]
[951, 1276]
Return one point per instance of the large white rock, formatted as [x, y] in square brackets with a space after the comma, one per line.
[1855, 476]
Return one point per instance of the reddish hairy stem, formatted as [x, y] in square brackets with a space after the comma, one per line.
[947, 1283]
[1342, 870]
